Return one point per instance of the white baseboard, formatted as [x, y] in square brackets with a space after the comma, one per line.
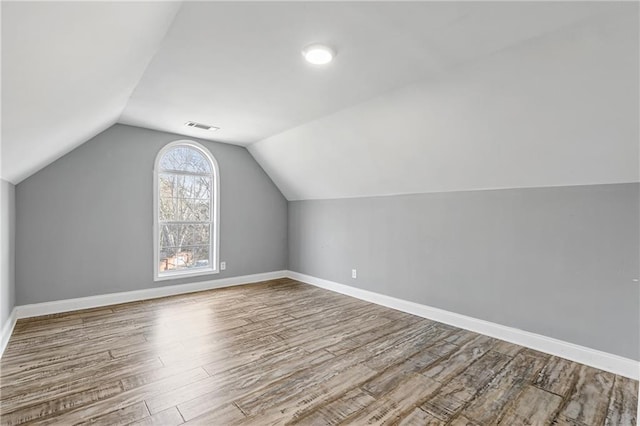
[592, 357]
[602, 360]
[7, 329]
[58, 306]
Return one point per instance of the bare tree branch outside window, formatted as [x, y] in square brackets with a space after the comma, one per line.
[185, 183]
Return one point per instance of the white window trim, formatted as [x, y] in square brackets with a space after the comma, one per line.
[215, 223]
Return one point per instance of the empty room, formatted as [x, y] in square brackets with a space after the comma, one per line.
[320, 213]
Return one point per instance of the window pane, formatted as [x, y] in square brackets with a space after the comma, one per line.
[185, 158]
[167, 209]
[202, 187]
[194, 210]
[184, 198]
[167, 197]
[190, 186]
[169, 260]
[201, 234]
[201, 257]
[183, 258]
[174, 235]
[185, 190]
[166, 185]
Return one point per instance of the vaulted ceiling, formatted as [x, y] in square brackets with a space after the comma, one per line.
[68, 70]
[429, 93]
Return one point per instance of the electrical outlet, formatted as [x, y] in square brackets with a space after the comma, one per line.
[354, 273]
[223, 266]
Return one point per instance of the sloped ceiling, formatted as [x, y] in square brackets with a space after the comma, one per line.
[238, 65]
[68, 69]
[422, 96]
[559, 110]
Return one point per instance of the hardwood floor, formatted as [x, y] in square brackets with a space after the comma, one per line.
[283, 352]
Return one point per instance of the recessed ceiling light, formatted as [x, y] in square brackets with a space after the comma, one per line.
[201, 126]
[318, 54]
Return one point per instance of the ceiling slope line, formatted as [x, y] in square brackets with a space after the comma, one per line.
[153, 55]
[439, 73]
[555, 110]
[68, 79]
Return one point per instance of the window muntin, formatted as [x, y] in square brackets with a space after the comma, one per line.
[186, 204]
[184, 158]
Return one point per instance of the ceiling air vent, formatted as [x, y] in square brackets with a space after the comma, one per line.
[201, 126]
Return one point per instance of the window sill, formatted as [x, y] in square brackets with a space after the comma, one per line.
[179, 275]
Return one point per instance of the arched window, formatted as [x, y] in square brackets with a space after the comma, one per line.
[186, 204]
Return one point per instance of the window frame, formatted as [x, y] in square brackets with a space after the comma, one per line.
[214, 209]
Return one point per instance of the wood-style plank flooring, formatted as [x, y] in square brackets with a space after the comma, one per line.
[282, 352]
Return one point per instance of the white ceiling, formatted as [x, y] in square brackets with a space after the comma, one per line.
[237, 65]
[558, 110]
[68, 69]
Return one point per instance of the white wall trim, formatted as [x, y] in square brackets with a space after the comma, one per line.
[7, 329]
[592, 357]
[58, 306]
[214, 206]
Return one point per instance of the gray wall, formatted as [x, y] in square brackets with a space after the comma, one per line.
[554, 261]
[7, 251]
[84, 223]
